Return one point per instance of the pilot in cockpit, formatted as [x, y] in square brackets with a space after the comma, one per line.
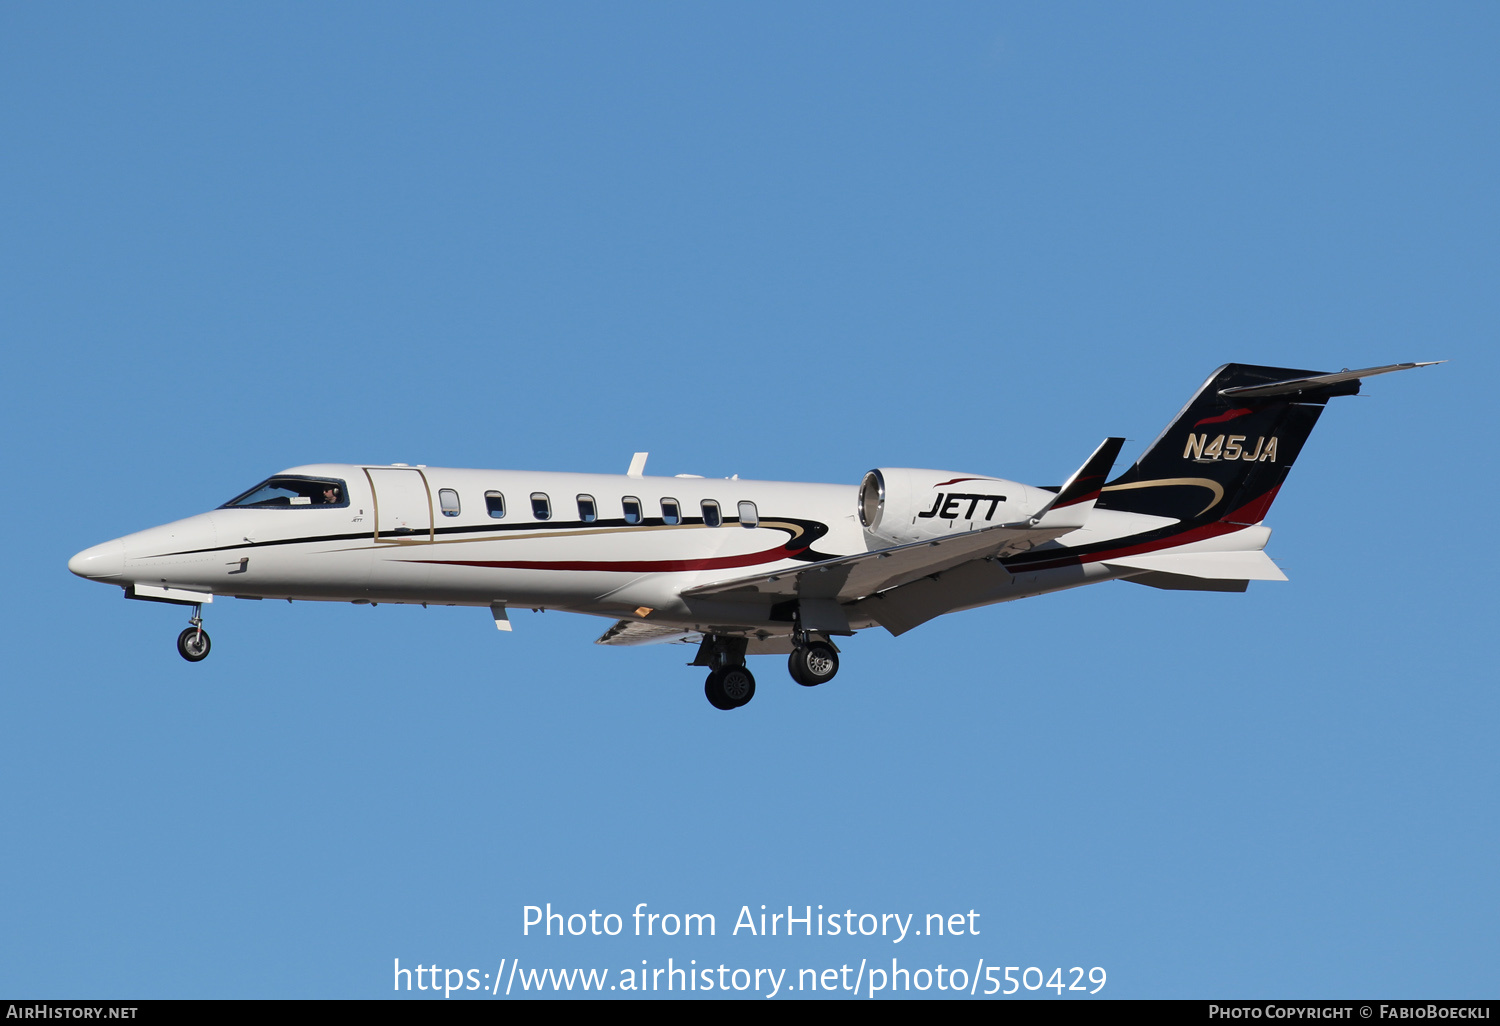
[330, 495]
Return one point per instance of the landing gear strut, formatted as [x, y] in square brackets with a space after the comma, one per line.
[193, 643]
[729, 684]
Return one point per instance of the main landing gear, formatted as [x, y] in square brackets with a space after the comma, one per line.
[193, 643]
[813, 663]
[730, 685]
[729, 688]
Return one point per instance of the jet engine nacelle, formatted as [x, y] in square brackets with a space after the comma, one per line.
[900, 504]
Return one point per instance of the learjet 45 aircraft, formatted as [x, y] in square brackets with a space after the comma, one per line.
[749, 567]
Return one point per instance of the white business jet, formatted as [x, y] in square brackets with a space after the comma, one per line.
[749, 567]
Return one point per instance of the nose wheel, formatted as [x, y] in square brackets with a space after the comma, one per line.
[193, 643]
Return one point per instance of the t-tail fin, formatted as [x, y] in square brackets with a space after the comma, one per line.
[1227, 453]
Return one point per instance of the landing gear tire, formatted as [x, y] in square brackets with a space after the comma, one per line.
[193, 644]
[813, 664]
[729, 688]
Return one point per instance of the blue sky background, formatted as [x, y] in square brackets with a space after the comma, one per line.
[788, 241]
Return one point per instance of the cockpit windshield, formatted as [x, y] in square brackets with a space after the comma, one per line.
[292, 491]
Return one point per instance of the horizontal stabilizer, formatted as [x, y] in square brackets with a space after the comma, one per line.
[1294, 385]
[1215, 566]
[1177, 582]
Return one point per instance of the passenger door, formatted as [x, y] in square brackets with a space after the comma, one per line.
[403, 503]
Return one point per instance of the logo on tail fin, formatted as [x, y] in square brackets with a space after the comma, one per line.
[1221, 418]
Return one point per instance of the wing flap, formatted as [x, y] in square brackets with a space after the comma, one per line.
[637, 632]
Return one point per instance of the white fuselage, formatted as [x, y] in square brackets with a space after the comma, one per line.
[750, 567]
[431, 535]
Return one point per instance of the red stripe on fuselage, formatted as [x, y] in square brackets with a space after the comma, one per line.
[1196, 534]
[1088, 497]
[1228, 524]
[1253, 512]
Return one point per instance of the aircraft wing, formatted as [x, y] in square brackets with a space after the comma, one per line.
[849, 578]
[852, 577]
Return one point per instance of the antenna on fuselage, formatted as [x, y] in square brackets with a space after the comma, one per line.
[637, 465]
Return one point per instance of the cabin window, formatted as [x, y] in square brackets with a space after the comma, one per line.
[632, 509]
[448, 502]
[290, 492]
[711, 515]
[541, 506]
[494, 504]
[671, 512]
[587, 511]
[748, 516]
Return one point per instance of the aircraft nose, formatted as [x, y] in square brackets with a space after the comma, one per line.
[101, 561]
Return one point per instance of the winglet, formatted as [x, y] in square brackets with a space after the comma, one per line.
[1075, 500]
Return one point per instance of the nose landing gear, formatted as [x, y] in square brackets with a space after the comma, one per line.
[193, 643]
